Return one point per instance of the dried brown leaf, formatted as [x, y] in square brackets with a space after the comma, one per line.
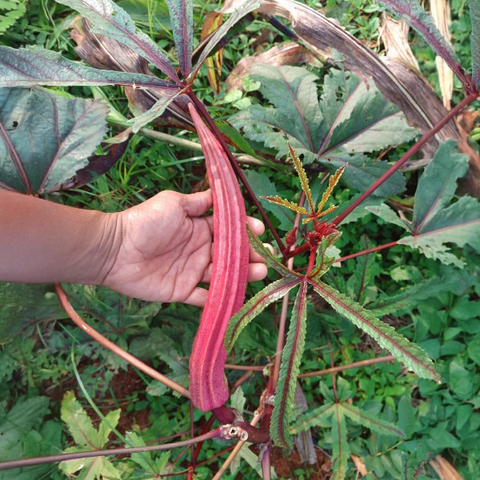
[444, 469]
[212, 21]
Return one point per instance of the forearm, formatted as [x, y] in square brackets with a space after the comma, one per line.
[42, 241]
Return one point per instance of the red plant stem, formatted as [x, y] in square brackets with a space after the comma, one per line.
[365, 252]
[362, 363]
[298, 251]
[332, 363]
[466, 101]
[199, 445]
[62, 457]
[238, 171]
[115, 348]
[266, 475]
[253, 368]
[219, 454]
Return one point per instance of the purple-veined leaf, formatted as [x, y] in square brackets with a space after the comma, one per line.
[114, 22]
[35, 155]
[267, 255]
[237, 13]
[311, 419]
[475, 39]
[340, 447]
[370, 421]
[256, 305]
[181, 16]
[410, 354]
[289, 370]
[29, 67]
[415, 16]
[324, 262]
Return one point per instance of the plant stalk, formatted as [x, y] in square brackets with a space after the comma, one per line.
[466, 101]
[365, 252]
[115, 348]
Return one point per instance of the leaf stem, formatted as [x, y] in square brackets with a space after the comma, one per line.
[62, 457]
[238, 171]
[115, 348]
[466, 101]
[365, 252]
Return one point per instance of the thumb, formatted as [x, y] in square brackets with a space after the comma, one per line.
[196, 204]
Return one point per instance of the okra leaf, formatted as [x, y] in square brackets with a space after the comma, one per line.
[313, 418]
[436, 223]
[414, 15]
[410, 354]
[340, 447]
[386, 213]
[114, 22]
[475, 39]
[181, 16]
[55, 150]
[370, 421]
[289, 370]
[256, 305]
[32, 66]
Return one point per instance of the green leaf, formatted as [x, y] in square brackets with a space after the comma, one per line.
[438, 183]
[313, 418]
[12, 11]
[386, 213]
[475, 39]
[406, 416]
[23, 305]
[256, 305]
[145, 459]
[114, 22]
[363, 273]
[263, 187]
[28, 67]
[181, 16]
[411, 355]
[240, 11]
[372, 422]
[56, 149]
[360, 121]
[290, 368]
[414, 15]
[340, 447]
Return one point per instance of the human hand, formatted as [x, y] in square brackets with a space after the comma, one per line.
[165, 249]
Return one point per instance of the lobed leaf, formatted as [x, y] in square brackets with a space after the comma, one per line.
[370, 421]
[256, 305]
[340, 447]
[313, 418]
[388, 215]
[32, 66]
[181, 17]
[114, 22]
[56, 149]
[289, 370]
[410, 354]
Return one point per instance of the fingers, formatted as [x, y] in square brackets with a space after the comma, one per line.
[256, 225]
[196, 204]
[256, 272]
[197, 298]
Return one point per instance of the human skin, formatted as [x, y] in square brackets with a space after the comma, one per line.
[159, 250]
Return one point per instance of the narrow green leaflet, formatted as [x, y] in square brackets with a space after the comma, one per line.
[386, 213]
[55, 150]
[355, 120]
[153, 467]
[475, 39]
[181, 17]
[414, 15]
[256, 305]
[114, 22]
[410, 354]
[246, 7]
[10, 12]
[28, 67]
[87, 438]
[289, 370]
[371, 422]
[362, 275]
[438, 183]
[340, 447]
[313, 418]
[267, 255]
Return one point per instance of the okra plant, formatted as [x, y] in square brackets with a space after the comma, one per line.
[367, 104]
